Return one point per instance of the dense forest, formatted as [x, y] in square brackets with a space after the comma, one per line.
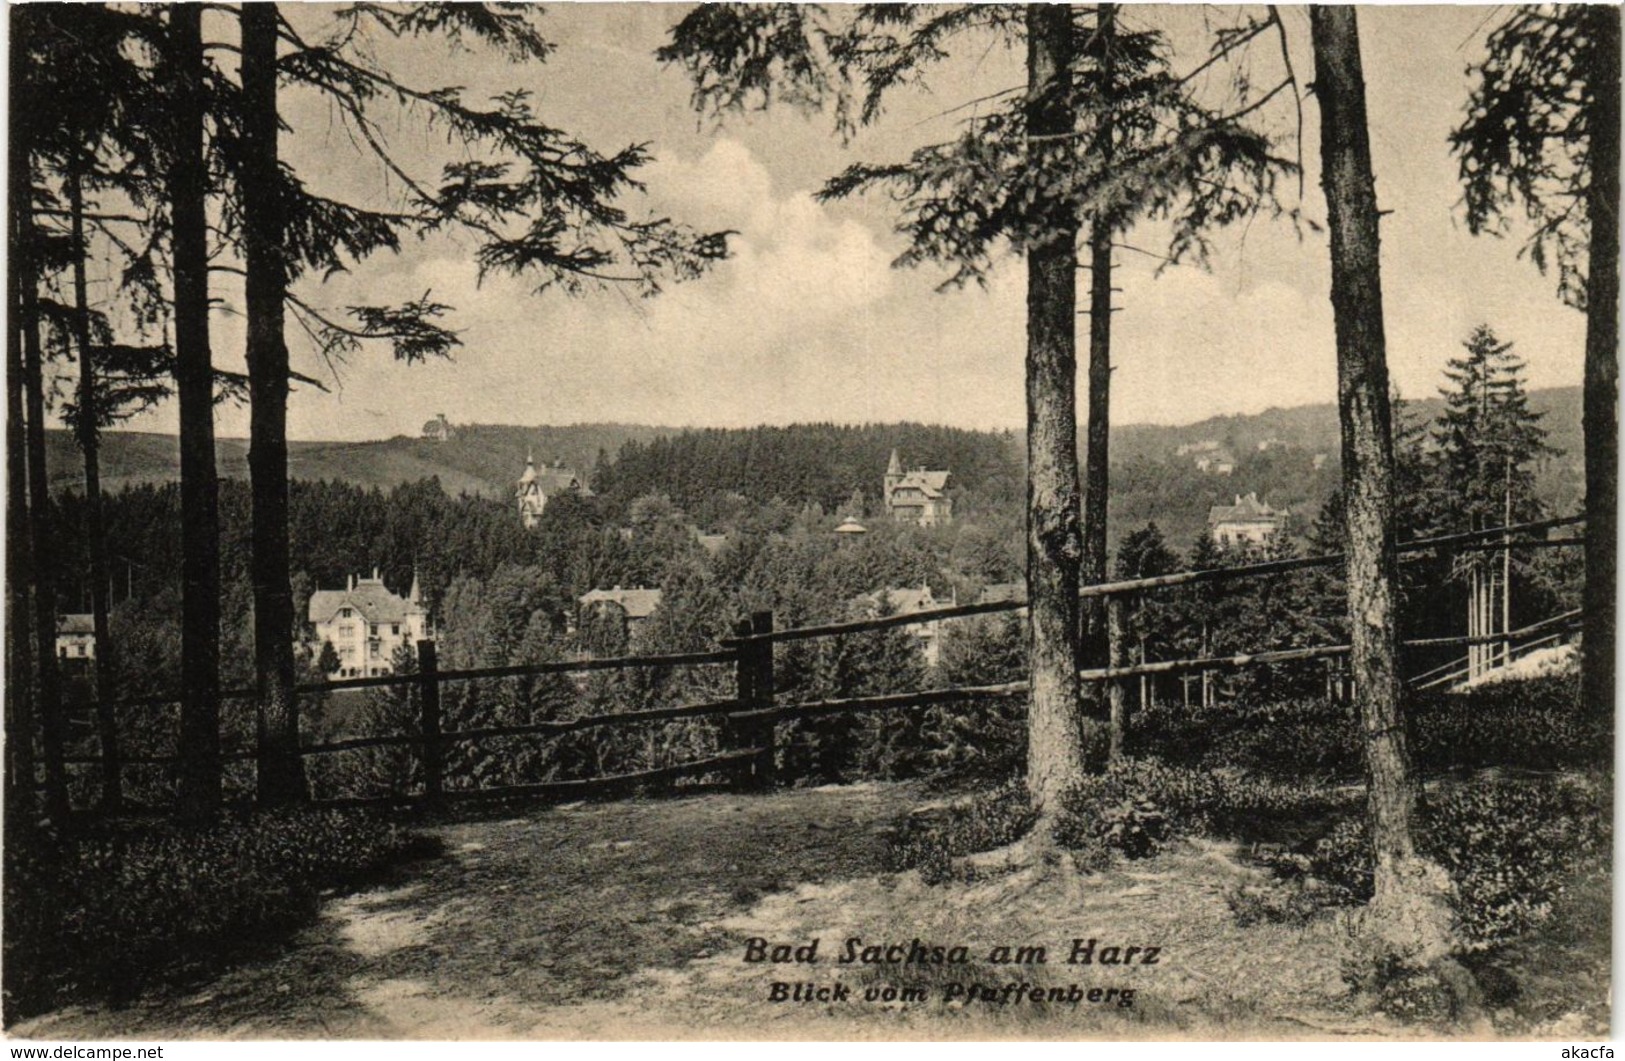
[716, 474]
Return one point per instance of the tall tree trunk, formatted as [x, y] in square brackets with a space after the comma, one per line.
[281, 777]
[1097, 472]
[106, 665]
[20, 784]
[1055, 751]
[42, 552]
[1408, 907]
[1601, 414]
[194, 387]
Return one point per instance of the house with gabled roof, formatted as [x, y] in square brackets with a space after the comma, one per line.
[365, 623]
[907, 600]
[75, 637]
[916, 496]
[538, 486]
[632, 606]
[1247, 522]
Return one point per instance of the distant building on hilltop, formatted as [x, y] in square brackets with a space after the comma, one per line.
[75, 637]
[538, 486]
[1247, 522]
[438, 429]
[365, 623]
[916, 496]
[1216, 463]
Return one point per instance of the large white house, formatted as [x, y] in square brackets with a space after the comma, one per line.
[365, 623]
[1247, 522]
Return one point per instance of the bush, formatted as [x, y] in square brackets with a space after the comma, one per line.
[1536, 724]
[99, 915]
[1434, 993]
[989, 820]
[1136, 807]
[1278, 902]
[1509, 847]
[1292, 738]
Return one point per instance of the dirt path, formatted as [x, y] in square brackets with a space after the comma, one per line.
[630, 919]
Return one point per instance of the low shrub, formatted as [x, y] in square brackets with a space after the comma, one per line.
[930, 842]
[1508, 846]
[1534, 724]
[103, 914]
[1136, 807]
[1435, 993]
[1277, 902]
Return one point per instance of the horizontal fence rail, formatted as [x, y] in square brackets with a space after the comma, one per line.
[1459, 542]
[747, 721]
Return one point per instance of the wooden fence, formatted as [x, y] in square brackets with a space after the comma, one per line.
[748, 719]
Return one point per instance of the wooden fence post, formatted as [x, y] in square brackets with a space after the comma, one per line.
[764, 770]
[434, 752]
[735, 733]
[754, 678]
[1116, 688]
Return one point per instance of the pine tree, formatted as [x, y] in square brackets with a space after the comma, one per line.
[1103, 133]
[1542, 134]
[1488, 440]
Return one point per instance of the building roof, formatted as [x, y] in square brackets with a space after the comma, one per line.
[929, 483]
[712, 543]
[1000, 592]
[850, 525]
[551, 478]
[75, 624]
[904, 601]
[1246, 510]
[367, 596]
[637, 603]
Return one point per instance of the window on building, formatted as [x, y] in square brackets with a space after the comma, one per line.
[81, 649]
[345, 613]
[395, 628]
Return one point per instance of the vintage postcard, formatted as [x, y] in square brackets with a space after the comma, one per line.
[775, 522]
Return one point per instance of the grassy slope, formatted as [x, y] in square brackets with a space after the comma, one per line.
[483, 459]
[628, 920]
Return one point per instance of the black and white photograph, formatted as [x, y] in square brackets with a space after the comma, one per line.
[795, 522]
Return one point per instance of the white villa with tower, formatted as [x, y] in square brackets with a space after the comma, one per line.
[537, 486]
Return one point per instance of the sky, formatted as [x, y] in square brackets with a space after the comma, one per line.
[808, 320]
